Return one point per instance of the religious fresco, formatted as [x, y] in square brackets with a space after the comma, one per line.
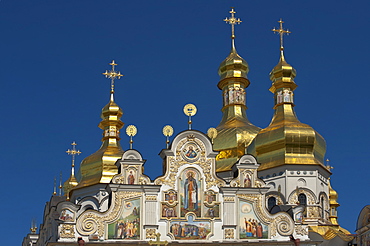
[191, 152]
[250, 227]
[247, 180]
[128, 224]
[190, 229]
[190, 188]
[284, 95]
[67, 215]
[235, 95]
[131, 177]
[212, 212]
[169, 206]
[212, 207]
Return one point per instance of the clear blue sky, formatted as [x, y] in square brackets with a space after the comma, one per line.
[52, 54]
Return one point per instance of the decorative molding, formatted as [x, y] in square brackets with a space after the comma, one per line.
[229, 199]
[151, 198]
[92, 222]
[67, 231]
[301, 230]
[150, 233]
[229, 234]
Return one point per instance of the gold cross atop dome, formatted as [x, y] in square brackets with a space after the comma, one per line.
[232, 21]
[112, 74]
[281, 32]
[73, 152]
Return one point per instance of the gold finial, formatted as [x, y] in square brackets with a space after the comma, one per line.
[55, 186]
[33, 227]
[190, 110]
[131, 131]
[281, 32]
[232, 21]
[73, 152]
[60, 184]
[212, 133]
[157, 241]
[167, 132]
[112, 74]
[328, 165]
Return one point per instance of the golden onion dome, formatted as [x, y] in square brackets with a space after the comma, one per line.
[286, 140]
[69, 185]
[100, 167]
[233, 66]
[235, 132]
[333, 195]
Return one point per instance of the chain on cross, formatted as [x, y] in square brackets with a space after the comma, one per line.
[281, 32]
[232, 21]
[112, 74]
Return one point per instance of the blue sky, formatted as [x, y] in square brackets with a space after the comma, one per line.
[52, 54]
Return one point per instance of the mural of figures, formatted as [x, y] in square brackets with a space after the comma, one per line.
[128, 224]
[66, 215]
[190, 230]
[247, 180]
[190, 192]
[131, 178]
[250, 227]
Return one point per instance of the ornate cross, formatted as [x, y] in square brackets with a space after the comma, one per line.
[112, 74]
[232, 21]
[157, 242]
[281, 32]
[73, 152]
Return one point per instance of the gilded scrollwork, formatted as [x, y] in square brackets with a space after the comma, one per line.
[229, 234]
[92, 222]
[67, 231]
[293, 198]
[229, 199]
[151, 198]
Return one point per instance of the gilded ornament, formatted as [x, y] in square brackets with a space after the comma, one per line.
[190, 109]
[67, 231]
[229, 233]
[150, 233]
[151, 198]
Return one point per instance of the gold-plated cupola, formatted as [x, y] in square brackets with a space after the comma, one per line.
[235, 132]
[286, 140]
[100, 167]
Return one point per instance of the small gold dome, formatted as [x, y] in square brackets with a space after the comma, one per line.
[100, 167]
[233, 66]
[286, 140]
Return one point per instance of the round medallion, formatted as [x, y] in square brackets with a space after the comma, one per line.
[190, 109]
[190, 152]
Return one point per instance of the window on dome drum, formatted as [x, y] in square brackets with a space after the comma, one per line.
[302, 199]
[271, 202]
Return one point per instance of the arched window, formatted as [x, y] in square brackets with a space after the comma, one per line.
[302, 199]
[322, 208]
[271, 202]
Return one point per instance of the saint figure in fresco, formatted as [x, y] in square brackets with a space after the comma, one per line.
[247, 181]
[279, 97]
[191, 192]
[286, 96]
[131, 178]
[191, 153]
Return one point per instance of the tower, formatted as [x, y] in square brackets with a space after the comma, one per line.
[235, 132]
[99, 168]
